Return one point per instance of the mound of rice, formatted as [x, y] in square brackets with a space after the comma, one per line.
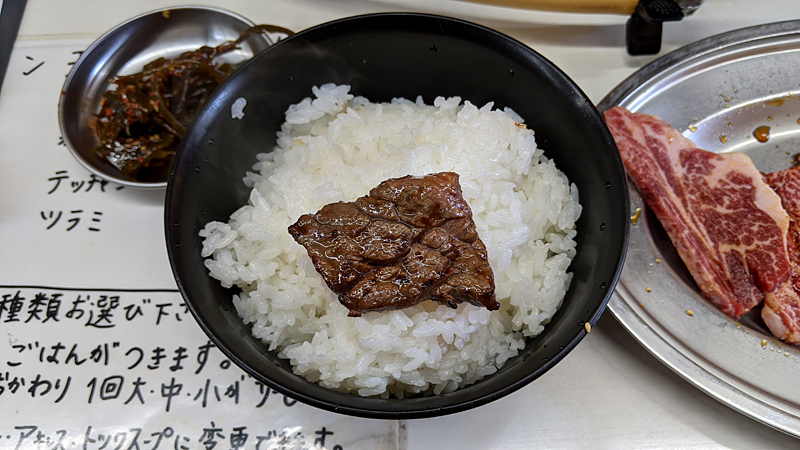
[337, 147]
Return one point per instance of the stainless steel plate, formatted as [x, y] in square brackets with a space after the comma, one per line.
[717, 92]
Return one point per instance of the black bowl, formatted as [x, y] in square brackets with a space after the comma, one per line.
[383, 56]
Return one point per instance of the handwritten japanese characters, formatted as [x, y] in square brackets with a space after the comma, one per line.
[34, 68]
[109, 357]
[83, 346]
[68, 220]
[169, 437]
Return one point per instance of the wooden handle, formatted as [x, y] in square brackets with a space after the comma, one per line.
[625, 7]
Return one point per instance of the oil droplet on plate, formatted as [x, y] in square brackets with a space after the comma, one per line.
[769, 118]
[723, 138]
[693, 128]
[761, 133]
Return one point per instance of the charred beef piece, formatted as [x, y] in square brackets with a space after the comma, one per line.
[411, 239]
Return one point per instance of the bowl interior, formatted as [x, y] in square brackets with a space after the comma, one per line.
[125, 50]
[384, 56]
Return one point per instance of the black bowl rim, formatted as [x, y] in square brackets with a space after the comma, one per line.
[579, 98]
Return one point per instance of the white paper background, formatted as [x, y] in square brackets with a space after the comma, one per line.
[607, 393]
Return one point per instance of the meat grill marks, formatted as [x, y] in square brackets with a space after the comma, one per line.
[727, 225]
[411, 239]
[781, 310]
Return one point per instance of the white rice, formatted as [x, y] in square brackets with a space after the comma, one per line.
[237, 109]
[337, 147]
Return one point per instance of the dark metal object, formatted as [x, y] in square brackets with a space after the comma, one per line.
[10, 18]
[125, 50]
[384, 56]
[643, 30]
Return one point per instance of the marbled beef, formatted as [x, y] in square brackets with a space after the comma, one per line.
[781, 310]
[727, 225]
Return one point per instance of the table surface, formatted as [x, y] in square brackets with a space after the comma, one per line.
[607, 393]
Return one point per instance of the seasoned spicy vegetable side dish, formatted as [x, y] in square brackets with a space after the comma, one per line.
[143, 119]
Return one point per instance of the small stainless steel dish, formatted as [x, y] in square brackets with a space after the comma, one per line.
[125, 50]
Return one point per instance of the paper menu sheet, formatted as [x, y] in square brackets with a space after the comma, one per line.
[98, 349]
